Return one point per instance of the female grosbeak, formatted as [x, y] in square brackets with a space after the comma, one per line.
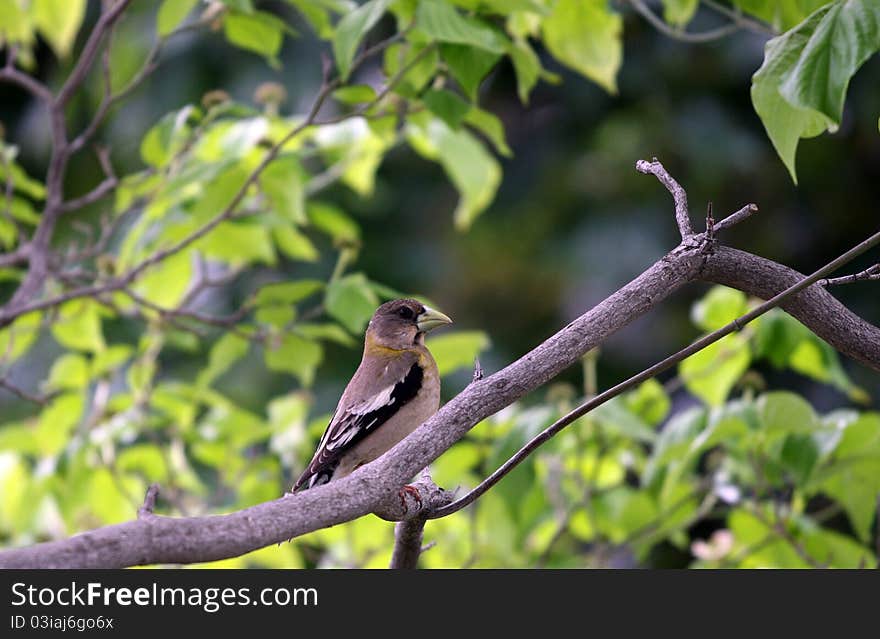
[394, 390]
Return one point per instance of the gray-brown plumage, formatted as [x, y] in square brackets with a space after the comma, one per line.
[394, 390]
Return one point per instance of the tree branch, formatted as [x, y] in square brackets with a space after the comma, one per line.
[682, 215]
[10, 74]
[408, 535]
[680, 34]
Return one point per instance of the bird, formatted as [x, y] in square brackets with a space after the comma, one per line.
[394, 390]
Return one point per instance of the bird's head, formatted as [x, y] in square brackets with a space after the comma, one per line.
[399, 324]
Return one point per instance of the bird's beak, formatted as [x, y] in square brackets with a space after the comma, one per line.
[431, 319]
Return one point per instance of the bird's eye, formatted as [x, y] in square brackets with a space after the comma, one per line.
[405, 312]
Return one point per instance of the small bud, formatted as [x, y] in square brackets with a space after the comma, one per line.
[271, 95]
[215, 98]
[106, 265]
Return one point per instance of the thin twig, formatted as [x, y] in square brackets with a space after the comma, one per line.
[679, 196]
[869, 274]
[735, 218]
[680, 34]
[736, 15]
[146, 510]
[10, 74]
[19, 392]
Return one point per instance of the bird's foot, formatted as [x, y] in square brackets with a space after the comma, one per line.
[413, 492]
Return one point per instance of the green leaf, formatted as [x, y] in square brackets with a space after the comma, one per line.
[787, 123]
[468, 65]
[70, 371]
[15, 23]
[282, 182]
[109, 500]
[56, 422]
[110, 359]
[334, 222]
[799, 455]
[259, 32]
[853, 476]
[712, 373]
[230, 140]
[833, 549]
[456, 464]
[350, 300]
[238, 243]
[720, 306]
[58, 22]
[79, 326]
[446, 105]
[586, 36]
[224, 353]
[287, 292]
[442, 22]
[777, 335]
[355, 94]
[21, 181]
[847, 35]
[327, 332]
[617, 418]
[296, 355]
[649, 401]
[679, 12]
[171, 14]
[352, 29]
[294, 244]
[145, 459]
[166, 283]
[474, 172]
[814, 358]
[456, 351]
[279, 316]
[358, 147]
[527, 67]
[17, 338]
[316, 15]
[167, 137]
[419, 73]
[489, 125]
[786, 412]
[674, 444]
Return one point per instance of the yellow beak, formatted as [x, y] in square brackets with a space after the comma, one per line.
[431, 319]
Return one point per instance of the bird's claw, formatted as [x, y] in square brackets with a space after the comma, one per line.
[413, 492]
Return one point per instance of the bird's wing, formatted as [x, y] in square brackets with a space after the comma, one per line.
[371, 399]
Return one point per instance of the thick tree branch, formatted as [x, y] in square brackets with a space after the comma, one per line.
[815, 307]
[408, 535]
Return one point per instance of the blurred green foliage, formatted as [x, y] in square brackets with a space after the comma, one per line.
[255, 283]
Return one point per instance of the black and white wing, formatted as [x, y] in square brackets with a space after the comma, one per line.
[351, 424]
